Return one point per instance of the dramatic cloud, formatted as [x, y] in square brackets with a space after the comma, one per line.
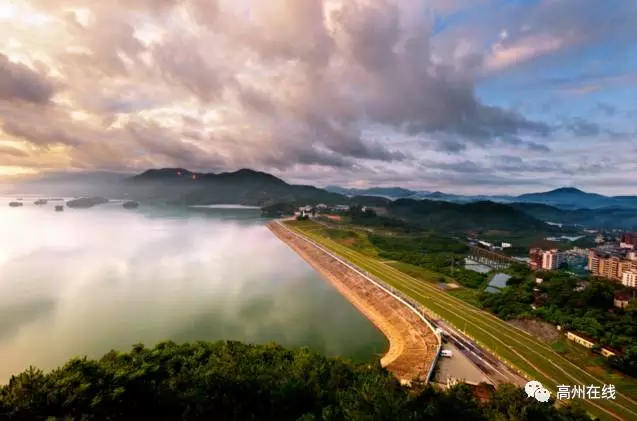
[19, 83]
[313, 87]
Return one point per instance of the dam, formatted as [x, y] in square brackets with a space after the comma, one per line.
[413, 343]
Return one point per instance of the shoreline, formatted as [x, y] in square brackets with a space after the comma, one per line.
[413, 346]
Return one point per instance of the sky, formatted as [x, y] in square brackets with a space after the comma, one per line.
[463, 96]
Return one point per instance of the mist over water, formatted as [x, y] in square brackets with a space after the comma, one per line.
[82, 282]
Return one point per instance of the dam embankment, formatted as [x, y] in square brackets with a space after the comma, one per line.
[413, 345]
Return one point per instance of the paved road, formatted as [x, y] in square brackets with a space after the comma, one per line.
[489, 365]
[458, 367]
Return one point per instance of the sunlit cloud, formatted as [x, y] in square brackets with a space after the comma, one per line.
[282, 86]
[503, 56]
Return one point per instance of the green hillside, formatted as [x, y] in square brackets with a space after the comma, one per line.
[234, 381]
[245, 187]
[611, 217]
[454, 217]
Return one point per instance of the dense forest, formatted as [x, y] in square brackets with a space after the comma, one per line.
[369, 218]
[235, 381]
[573, 304]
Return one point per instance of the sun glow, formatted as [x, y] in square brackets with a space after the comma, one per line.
[16, 11]
[9, 171]
[8, 11]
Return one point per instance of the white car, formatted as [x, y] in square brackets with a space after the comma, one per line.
[446, 353]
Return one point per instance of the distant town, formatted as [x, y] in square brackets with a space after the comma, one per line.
[613, 258]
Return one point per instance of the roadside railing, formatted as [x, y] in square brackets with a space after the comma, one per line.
[399, 295]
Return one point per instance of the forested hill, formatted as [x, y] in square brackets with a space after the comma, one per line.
[447, 216]
[246, 187]
[611, 217]
[234, 381]
[178, 186]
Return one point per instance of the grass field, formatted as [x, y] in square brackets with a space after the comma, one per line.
[535, 358]
[421, 273]
[467, 295]
[582, 357]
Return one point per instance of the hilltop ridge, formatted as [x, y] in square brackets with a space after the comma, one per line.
[180, 186]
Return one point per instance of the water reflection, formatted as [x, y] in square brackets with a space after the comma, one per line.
[85, 281]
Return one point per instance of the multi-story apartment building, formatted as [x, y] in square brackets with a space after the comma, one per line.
[629, 278]
[628, 240]
[593, 262]
[535, 257]
[551, 259]
[609, 265]
[545, 259]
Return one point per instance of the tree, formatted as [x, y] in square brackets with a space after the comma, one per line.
[229, 380]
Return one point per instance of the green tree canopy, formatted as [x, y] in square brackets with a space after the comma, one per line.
[234, 381]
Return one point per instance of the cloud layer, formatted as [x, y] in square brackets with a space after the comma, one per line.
[299, 87]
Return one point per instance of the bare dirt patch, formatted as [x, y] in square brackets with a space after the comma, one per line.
[348, 242]
[541, 330]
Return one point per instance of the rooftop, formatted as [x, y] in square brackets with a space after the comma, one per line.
[622, 296]
[583, 336]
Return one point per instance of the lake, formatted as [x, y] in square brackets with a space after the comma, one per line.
[85, 281]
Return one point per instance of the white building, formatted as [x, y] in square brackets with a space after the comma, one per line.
[629, 278]
[551, 259]
[506, 245]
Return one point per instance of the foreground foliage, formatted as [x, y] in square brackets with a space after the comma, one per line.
[235, 381]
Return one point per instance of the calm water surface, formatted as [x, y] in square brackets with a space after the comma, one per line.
[82, 282]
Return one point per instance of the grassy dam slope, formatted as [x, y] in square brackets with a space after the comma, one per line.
[526, 353]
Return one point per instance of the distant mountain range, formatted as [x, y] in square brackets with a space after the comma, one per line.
[564, 198]
[179, 186]
[389, 192]
[245, 187]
